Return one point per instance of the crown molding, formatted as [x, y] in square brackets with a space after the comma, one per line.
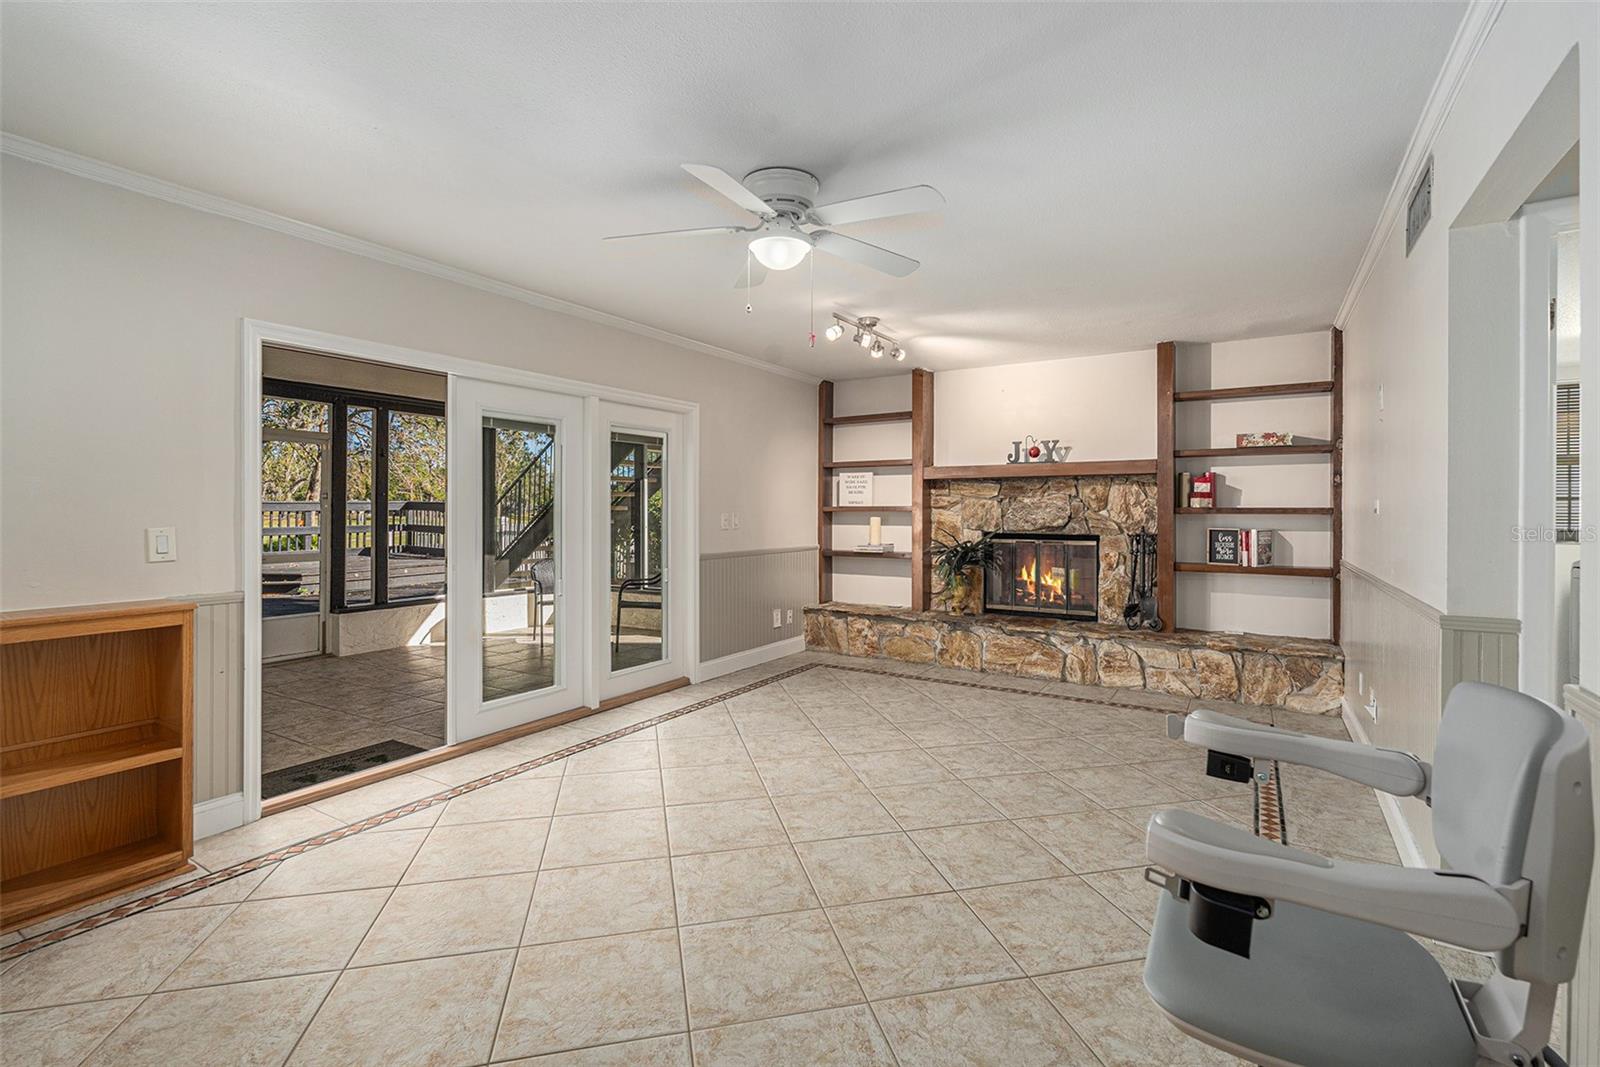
[1470, 35]
[160, 189]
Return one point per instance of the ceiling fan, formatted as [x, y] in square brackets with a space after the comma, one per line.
[790, 223]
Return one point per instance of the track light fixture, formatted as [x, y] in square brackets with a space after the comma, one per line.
[877, 343]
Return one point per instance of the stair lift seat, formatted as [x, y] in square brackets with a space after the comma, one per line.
[1282, 956]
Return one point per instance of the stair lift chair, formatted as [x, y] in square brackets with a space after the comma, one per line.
[1284, 957]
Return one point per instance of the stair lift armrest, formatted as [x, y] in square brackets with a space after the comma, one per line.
[1454, 908]
[1392, 771]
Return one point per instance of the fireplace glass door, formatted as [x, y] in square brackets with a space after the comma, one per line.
[1041, 574]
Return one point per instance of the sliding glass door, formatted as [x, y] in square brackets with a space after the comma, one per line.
[518, 653]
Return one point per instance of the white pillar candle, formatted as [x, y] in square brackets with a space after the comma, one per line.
[875, 531]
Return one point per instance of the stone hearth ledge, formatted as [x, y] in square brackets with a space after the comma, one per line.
[1290, 672]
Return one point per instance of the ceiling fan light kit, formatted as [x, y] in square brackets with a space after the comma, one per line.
[780, 249]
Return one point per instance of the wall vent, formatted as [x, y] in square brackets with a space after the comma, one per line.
[1419, 209]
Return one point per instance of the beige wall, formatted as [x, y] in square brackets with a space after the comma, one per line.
[1448, 403]
[120, 391]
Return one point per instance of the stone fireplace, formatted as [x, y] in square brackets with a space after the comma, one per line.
[1105, 507]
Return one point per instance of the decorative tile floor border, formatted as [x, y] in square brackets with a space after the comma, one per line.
[1268, 800]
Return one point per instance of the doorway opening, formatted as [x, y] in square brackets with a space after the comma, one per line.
[353, 567]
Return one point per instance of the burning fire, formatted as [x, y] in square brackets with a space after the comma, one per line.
[1053, 588]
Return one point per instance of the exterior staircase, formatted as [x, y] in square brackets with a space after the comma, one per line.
[522, 523]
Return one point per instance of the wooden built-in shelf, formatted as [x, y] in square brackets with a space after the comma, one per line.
[1255, 392]
[96, 788]
[1272, 572]
[1169, 507]
[55, 888]
[877, 416]
[1260, 450]
[93, 763]
[920, 416]
[1088, 468]
[1254, 511]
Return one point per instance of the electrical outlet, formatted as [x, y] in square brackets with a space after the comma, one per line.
[1377, 506]
[160, 544]
[735, 520]
[727, 521]
[777, 618]
[790, 616]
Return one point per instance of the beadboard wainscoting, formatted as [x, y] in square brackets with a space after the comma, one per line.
[1392, 646]
[738, 592]
[1402, 658]
[1478, 649]
[218, 695]
[1583, 998]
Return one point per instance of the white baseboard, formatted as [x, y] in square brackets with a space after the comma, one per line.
[1405, 842]
[215, 816]
[751, 657]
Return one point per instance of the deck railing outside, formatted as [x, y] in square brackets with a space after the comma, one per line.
[291, 530]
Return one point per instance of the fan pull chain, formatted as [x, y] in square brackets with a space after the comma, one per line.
[748, 307]
[813, 260]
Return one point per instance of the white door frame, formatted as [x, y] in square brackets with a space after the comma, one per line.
[254, 335]
[679, 564]
[1536, 580]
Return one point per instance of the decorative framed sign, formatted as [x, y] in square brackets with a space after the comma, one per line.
[1222, 546]
[855, 489]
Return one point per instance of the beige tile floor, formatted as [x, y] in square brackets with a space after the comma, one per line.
[838, 867]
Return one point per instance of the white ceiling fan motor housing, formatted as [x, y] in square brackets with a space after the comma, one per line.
[785, 190]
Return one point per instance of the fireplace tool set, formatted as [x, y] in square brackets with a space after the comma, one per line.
[1140, 612]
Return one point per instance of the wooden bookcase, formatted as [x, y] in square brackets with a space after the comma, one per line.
[1167, 455]
[921, 419]
[96, 782]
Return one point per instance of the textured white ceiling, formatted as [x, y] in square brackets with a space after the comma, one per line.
[1116, 174]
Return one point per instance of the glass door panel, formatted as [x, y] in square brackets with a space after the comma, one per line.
[416, 503]
[638, 542]
[360, 452]
[520, 484]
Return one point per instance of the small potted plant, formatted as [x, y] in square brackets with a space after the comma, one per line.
[956, 561]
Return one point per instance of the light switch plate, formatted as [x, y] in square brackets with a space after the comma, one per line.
[160, 544]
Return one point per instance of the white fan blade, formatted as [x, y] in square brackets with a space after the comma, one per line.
[837, 244]
[758, 274]
[695, 232]
[729, 186]
[879, 206]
